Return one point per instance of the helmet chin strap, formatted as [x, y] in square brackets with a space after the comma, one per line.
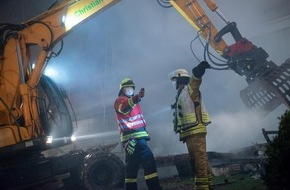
[180, 86]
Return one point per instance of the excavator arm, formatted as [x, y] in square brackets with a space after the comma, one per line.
[268, 84]
[19, 77]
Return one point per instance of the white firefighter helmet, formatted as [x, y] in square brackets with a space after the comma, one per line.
[179, 76]
[178, 73]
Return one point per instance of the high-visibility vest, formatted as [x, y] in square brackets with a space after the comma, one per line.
[131, 123]
[187, 122]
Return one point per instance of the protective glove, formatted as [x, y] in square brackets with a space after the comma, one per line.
[137, 97]
[141, 93]
[130, 146]
[199, 70]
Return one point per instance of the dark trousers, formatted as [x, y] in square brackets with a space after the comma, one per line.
[142, 156]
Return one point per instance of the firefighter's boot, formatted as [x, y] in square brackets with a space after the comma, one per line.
[153, 184]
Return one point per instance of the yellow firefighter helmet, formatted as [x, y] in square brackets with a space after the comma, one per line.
[127, 82]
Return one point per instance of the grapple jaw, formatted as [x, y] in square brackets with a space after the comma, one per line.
[269, 84]
[268, 91]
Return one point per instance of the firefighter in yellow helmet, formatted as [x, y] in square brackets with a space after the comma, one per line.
[134, 137]
[190, 121]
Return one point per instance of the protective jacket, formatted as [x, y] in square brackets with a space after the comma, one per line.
[132, 124]
[130, 119]
[191, 116]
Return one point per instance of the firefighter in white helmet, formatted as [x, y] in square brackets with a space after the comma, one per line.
[134, 137]
[190, 121]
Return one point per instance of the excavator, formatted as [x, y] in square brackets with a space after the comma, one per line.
[35, 113]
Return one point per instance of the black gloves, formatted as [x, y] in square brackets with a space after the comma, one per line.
[141, 93]
[137, 98]
[199, 70]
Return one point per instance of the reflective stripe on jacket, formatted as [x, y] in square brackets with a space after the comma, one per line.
[183, 134]
[137, 134]
[187, 113]
[131, 122]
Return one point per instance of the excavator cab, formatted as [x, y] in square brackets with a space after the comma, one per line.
[55, 119]
[33, 111]
[54, 114]
[35, 115]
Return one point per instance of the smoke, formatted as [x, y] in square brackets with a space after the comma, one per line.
[143, 41]
[230, 130]
[227, 132]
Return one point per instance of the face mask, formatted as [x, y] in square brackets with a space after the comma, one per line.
[128, 91]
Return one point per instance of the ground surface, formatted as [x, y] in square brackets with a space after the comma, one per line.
[233, 182]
